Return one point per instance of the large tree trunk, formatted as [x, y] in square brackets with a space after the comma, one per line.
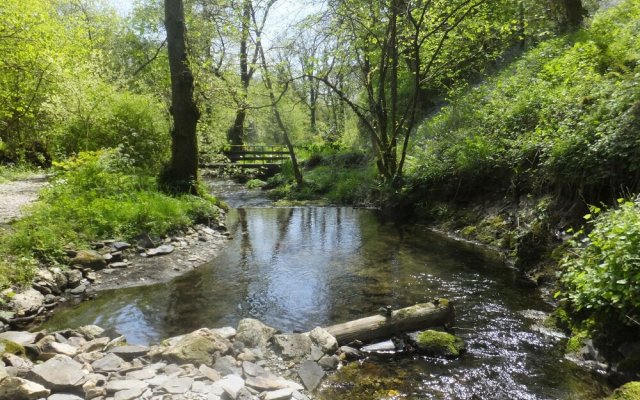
[182, 172]
[414, 318]
[235, 135]
[575, 12]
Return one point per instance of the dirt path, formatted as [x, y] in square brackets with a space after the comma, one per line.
[14, 195]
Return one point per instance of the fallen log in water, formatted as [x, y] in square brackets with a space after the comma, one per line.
[414, 318]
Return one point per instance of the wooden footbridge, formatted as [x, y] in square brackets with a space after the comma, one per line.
[253, 157]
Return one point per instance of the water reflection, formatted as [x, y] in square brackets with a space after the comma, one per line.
[296, 268]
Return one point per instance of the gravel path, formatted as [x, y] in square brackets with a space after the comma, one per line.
[14, 195]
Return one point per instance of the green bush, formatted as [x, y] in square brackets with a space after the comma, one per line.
[98, 195]
[601, 278]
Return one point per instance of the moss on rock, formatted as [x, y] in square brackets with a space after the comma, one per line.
[629, 391]
[440, 344]
[7, 346]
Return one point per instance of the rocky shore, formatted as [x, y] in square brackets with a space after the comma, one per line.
[109, 264]
[250, 362]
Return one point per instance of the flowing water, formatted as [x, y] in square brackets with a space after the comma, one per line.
[297, 268]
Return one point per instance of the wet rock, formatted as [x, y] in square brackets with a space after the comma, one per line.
[628, 391]
[311, 374]
[129, 352]
[27, 303]
[160, 250]
[386, 346]
[119, 246]
[58, 373]
[13, 388]
[254, 333]
[78, 290]
[324, 340]
[198, 347]
[294, 346]
[89, 259]
[439, 344]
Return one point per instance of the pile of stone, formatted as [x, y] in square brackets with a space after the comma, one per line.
[52, 285]
[252, 362]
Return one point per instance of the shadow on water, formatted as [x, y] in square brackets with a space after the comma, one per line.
[297, 268]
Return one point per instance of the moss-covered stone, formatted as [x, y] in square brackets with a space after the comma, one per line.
[7, 346]
[440, 344]
[629, 391]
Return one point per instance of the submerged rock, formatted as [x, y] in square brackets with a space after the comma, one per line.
[439, 344]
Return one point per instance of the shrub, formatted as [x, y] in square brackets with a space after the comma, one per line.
[601, 277]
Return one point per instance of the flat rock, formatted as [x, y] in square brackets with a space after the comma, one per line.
[119, 264]
[59, 373]
[329, 362]
[252, 369]
[108, 363]
[94, 345]
[19, 337]
[78, 290]
[63, 348]
[125, 384]
[119, 246]
[311, 374]
[266, 382]
[209, 373]
[178, 385]
[292, 346]
[231, 384]
[142, 374]
[160, 250]
[129, 352]
[281, 394]
[254, 333]
[27, 303]
[64, 396]
[129, 394]
[21, 389]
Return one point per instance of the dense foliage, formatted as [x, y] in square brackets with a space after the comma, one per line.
[601, 278]
[563, 118]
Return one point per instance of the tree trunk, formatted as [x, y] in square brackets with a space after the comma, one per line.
[235, 135]
[574, 12]
[181, 174]
[414, 318]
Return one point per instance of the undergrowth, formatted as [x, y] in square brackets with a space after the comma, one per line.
[96, 195]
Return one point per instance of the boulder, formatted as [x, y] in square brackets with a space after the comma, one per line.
[129, 352]
[254, 333]
[89, 259]
[59, 373]
[311, 374]
[19, 337]
[21, 389]
[198, 347]
[8, 346]
[60, 279]
[74, 278]
[27, 303]
[439, 344]
[292, 346]
[324, 340]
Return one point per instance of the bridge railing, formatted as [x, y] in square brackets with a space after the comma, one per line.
[253, 156]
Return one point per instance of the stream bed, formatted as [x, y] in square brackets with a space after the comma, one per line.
[295, 268]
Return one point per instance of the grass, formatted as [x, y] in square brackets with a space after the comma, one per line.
[92, 197]
[10, 173]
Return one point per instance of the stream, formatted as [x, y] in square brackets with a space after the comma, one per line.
[295, 268]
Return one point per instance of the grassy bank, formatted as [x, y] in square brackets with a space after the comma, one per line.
[519, 160]
[96, 195]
